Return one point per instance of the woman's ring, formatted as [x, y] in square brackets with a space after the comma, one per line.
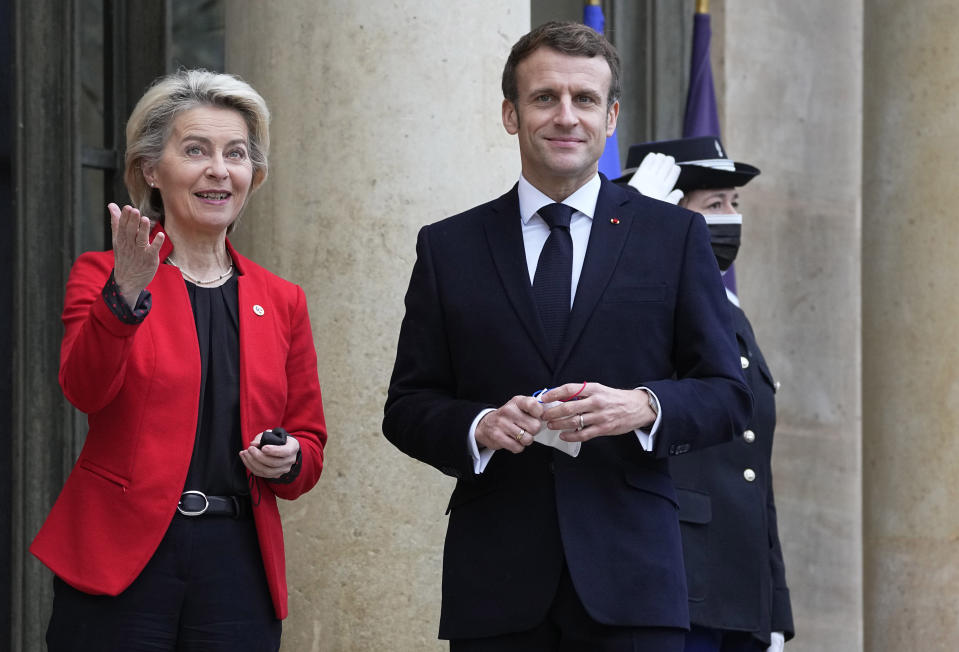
[581, 424]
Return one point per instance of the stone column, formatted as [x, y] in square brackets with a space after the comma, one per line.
[386, 117]
[910, 308]
[791, 80]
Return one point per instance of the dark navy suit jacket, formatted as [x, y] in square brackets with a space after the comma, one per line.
[650, 310]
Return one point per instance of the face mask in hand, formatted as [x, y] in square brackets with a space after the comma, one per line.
[725, 232]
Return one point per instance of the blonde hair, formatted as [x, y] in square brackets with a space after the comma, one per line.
[151, 123]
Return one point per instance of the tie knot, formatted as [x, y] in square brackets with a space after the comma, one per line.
[556, 215]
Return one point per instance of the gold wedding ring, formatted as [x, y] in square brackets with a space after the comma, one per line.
[581, 424]
[519, 437]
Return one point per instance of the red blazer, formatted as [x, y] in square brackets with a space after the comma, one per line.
[139, 386]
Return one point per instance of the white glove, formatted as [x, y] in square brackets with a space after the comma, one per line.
[656, 177]
[776, 642]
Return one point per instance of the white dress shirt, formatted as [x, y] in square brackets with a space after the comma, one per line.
[535, 233]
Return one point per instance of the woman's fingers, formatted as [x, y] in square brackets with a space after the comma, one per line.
[273, 462]
[157, 243]
[135, 258]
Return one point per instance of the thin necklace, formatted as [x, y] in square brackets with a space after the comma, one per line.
[228, 271]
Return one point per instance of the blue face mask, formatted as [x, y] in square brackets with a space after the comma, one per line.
[725, 234]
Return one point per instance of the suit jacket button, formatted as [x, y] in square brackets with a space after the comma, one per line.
[744, 361]
[749, 474]
[749, 436]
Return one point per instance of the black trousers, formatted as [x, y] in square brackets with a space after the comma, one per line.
[569, 628]
[204, 589]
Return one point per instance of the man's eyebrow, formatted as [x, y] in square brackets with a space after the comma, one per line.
[545, 90]
[549, 90]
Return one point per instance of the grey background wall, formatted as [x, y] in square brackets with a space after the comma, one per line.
[792, 98]
[910, 307]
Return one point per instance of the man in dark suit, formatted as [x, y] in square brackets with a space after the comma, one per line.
[738, 597]
[563, 530]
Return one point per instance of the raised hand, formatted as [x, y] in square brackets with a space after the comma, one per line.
[656, 177]
[135, 258]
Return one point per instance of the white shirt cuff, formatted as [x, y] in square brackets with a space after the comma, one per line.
[647, 439]
[480, 457]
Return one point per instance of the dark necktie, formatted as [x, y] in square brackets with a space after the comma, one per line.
[554, 275]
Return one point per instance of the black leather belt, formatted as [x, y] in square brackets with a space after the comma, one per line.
[197, 503]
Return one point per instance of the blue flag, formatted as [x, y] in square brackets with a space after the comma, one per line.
[702, 117]
[609, 161]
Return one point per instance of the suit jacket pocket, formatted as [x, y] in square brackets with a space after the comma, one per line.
[104, 473]
[694, 506]
[652, 482]
[635, 293]
[695, 513]
[466, 492]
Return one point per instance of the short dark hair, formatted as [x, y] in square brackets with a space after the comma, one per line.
[570, 38]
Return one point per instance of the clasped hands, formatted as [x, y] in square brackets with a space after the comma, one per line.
[584, 411]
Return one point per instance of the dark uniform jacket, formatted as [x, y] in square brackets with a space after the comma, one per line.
[734, 563]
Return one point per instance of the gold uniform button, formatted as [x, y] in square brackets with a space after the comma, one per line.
[744, 361]
[749, 474]
[749, 436]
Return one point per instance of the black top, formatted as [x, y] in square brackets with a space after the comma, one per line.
[215, 468]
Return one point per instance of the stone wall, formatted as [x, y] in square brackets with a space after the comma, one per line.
[792, 98]
[910, 307]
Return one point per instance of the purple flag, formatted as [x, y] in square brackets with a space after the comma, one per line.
[609, 161]
[702, 117]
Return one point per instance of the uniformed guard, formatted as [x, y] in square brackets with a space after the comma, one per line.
[738, 598]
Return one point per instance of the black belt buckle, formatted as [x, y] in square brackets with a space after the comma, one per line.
[235, 507]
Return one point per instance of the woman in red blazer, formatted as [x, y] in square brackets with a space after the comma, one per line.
[197, 371]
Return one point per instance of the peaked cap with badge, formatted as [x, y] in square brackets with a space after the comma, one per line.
[702, 159]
